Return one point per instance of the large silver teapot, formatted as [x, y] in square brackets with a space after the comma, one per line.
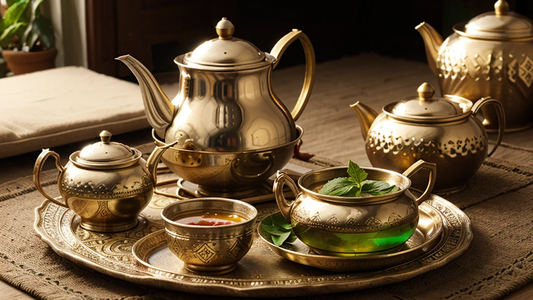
[491, 55]
[225, 101]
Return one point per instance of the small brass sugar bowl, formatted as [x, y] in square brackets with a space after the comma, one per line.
[106, 183]
[212, 247]
[338, 225]
[444, 131]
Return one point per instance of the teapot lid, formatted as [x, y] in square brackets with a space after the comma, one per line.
[427, 106]
[499, 24]
[106, 154]
[226, 50]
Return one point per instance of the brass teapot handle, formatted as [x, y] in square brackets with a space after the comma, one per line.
[499, 112]
[277, 52]
[284, 206]
[432, 168]
[37, 169]
[238, 175]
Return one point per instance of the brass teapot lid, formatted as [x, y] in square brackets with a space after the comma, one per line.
[500, 24]
[427, 106]
[106, 154]
[226, 50]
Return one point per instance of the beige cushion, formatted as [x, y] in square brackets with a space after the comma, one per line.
[65, 105]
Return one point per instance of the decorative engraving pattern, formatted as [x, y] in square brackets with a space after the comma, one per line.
[452, 63]
[235, 249]
[55, 224]
[205, 253]
[119, 190]
[350, 223]
[411, 146]
[526, 71]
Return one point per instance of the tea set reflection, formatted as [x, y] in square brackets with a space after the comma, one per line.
[227, 132]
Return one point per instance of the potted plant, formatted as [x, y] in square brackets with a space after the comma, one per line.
[27, 37]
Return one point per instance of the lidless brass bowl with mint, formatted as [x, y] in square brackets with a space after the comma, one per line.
[341, 225]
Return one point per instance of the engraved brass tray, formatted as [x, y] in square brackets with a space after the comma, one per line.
[261, 273]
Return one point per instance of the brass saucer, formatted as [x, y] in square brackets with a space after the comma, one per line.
[427, 235]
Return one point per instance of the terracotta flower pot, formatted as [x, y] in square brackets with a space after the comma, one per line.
[27, 62]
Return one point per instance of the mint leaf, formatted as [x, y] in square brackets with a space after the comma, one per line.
[280, 221]
[356, 173]
[279, 229]
[356, 185]
[273, 229]
[333, 186]
[280, 239]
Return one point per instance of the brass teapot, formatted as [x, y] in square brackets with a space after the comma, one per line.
[106, 183]
[225, 100]
[492, 54]
[444, 131]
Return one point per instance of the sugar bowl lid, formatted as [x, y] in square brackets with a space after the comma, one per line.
[225, 50]
[106, 154]
[426, 106]
[500, 24]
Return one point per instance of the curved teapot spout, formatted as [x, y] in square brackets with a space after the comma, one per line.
[366, 116]
[433, 41]
[159, 109]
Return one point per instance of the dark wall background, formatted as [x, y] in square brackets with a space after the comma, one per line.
[156, 31]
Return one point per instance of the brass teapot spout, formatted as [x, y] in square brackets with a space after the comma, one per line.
[159, 109]
[366, 116]
[432, 41]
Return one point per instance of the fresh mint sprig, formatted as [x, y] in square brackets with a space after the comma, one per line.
[279, 229]
[356, 185]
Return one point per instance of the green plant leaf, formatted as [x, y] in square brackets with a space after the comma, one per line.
[273, 229]
[292, 237]
[2, 25]
[11, 2]
[35, 4]
[280, 221]
[280, 239]
[279, 229]
[45, 30]
[356, 173]
[356, 185]
[15, 12]
[333, 186]
[9, 33]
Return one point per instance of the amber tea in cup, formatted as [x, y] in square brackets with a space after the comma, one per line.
[198, 233]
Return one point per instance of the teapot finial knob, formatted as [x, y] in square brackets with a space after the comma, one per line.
[501, 7]
[425, 92]
[105, 136]
[225, 29]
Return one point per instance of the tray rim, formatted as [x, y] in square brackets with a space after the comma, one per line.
[328, 283]
[434, 241]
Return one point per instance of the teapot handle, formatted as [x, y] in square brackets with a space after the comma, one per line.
[432, 168]
[284, 206]
[499, 112]
[235, 163]
[37, 169]
[277, 52]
